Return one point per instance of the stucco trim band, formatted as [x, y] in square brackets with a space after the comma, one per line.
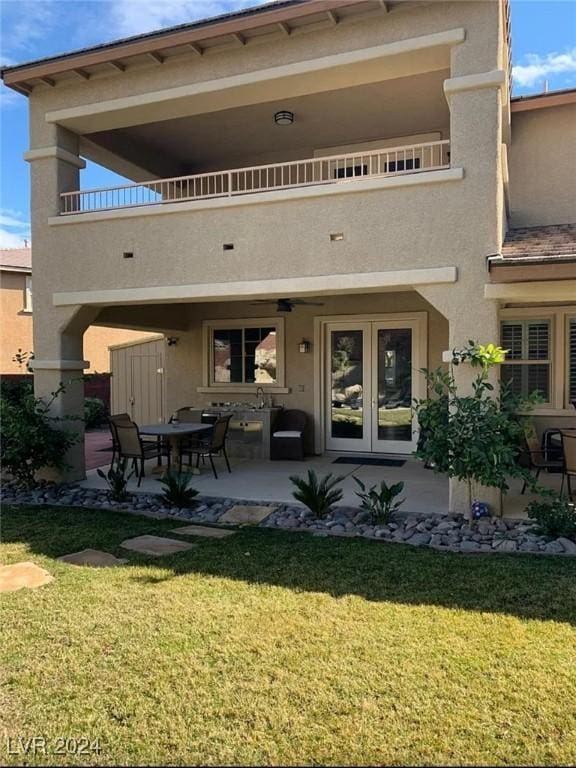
[317, 285]
[449, 37]
[559, 290]
[59, 365]
[494, 79]
[258, 198]
[60, 154]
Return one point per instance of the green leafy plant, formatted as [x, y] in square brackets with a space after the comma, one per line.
[30, 438]
[478, 437]
[380, 502]
[317, 495]
[94, 412]
[554, 517]
[177, 490]
[117, 482]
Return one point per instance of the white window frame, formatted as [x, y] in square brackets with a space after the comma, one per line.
[28, 294]
[559, 318]
[208, 328]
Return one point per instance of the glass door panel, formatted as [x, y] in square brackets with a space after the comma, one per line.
[393, 367]
[394, 384]
[348, 399]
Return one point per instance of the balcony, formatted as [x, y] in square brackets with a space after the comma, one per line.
[327, 170]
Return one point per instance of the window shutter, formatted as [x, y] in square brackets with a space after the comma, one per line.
[572, 360]
[512, 340]
[538, 341]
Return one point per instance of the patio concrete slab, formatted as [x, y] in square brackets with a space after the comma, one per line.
[156, 545]
[93, 558]
[23, 575]
[246, 515]
[203, 530]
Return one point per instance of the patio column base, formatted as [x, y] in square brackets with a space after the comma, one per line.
[68, 405]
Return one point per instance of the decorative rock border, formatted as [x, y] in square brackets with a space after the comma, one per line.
[450, 533]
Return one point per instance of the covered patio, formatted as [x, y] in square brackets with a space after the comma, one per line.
[257, 480]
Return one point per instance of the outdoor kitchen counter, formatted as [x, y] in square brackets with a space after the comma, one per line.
[250, 430]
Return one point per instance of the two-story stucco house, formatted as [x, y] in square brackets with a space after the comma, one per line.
[360, 157]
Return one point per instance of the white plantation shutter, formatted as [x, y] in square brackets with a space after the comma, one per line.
[527, 366]
[572, 360]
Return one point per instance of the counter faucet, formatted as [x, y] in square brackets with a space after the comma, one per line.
[260, 396]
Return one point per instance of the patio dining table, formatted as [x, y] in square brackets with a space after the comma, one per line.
[173, 434]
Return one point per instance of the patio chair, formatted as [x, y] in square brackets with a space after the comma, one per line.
[569, 452]
[214, 444]
[131, 446]
[537, 457]
[125, 418]
[287, 441]
[188, 415]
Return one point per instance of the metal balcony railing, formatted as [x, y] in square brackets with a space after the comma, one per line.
[336, 169]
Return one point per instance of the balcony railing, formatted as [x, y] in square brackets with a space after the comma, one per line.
[336, 169]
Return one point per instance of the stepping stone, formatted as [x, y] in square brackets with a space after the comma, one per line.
[20, 575]
[245, 514]
[156, 545]
[94, 558]
[203, 530]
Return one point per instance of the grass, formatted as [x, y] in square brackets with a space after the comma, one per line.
[275, 648]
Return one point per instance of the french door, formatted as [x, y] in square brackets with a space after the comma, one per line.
[372, 375]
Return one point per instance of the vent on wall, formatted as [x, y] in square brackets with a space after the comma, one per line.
[228, 247]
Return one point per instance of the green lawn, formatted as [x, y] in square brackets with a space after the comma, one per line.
[278, 648]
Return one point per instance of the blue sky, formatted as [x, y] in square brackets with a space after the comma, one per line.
[543, 47]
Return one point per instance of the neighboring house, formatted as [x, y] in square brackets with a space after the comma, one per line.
[16, 319]
[361, 155]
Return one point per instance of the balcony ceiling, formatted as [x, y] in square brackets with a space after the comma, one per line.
[248, 136]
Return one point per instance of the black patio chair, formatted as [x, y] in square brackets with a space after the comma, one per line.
[132, 447]
[287, 441]
[208, 446]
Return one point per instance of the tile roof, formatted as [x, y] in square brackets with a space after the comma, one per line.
[16, 258]
[540, 242]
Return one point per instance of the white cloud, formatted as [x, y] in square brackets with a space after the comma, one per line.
[539, 67]
[13, 229]
[133, 17]
[10, 240]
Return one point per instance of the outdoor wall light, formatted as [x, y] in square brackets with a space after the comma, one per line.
[304, 347]
[284, 117]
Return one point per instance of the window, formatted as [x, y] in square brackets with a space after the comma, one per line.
[408, 164]
[245, 353]
[350, 171]
[571, 360]
[527, 366]
[28, 294]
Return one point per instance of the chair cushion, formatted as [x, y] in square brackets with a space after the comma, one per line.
[288, 433]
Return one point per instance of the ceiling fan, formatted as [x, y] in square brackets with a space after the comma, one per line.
[287, 305]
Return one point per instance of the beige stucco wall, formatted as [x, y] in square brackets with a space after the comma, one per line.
[542, 162]
[185, 360]
[16, 330]
[15, 322]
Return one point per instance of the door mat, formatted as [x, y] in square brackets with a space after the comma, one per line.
[371, 462]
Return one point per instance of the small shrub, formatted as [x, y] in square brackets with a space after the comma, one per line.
[94, 412]
[555, 517]
[318, 496]
[16, 389]
[30, 439]
[380, 502]
[117, 482]
[177, 490]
